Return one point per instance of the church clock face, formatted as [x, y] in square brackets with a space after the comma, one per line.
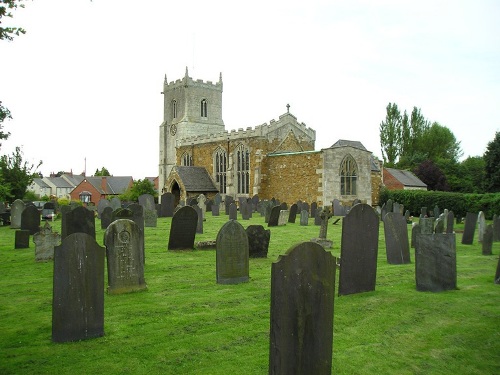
[173, 129]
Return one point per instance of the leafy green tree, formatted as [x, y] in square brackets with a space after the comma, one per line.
[390, 135]
[102, 172]
[138, 188]
[492, 165]
[4, 115]
[16, 175]
[438, 142]
[6, 8]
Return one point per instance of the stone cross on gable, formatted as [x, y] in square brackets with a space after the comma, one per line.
[325, 215]
[288, 108]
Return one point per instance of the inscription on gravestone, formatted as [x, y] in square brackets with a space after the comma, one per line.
[232, 253]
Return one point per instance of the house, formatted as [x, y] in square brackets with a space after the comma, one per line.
[397, 179]
[92, 189]
[58, 187]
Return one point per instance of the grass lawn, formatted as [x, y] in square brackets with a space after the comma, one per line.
[185, 323]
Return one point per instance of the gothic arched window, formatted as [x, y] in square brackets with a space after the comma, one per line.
[348, 176]
[204, 108]
[187, 159]
[174, 109]
[243, 169]
[220, 169]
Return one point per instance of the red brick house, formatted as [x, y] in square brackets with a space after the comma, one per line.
[93, 189]
[397, 179]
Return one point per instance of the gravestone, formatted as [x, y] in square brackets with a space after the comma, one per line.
[437, 212]
[30, 219]
[435, 262]
[16, 209]
[497, 273]
[314, 208]
[150, 218]
[167, 205]
[45, 241]
[106, 216]
[227, 203]
[22, 239]
[293, 213]
[101, 205]
[233, 212]
[396, 207]
[147, 202]
[208, 204]
[232, 264]
[487, 242]
[426, 225]
[302, 301]
[49, 211]
[439, 227]
[389, 205]
[116, 203]
[449, 222]
[304, 217]
[423, 212]
[217, 199]
[199, 220]
[78, 220]
[255, 202]
[267, 212]
[78, 289]
[396, 239]
[383, 212]
[283, 217]
[407, 216]
[134, 212]
[317, 217]
[183, 229]
[415, 229]
[201, 201]
[496, 228]
[481, 226]
[245, 209]
[305, 206]
[124, 257]
[324, 215]
[258, 241]
[359, 250]
[274, 216]
[215, 210]
[445, 214]
[284, 206]
[470, 228]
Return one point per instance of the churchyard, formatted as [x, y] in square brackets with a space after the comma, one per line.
[186, 322]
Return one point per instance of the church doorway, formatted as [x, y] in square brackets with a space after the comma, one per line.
[176, 191]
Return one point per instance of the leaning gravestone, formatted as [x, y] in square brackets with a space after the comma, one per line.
[258, 241]
[45, 242]
[183, 229]
[30, 219]
[274, 216]
[16, 209]
[359, 250]
[435, 262]
[470, 228]
[124, 259]
[78, 292]
[106, 215]
[487, 243]
[22, 239]
[78, 220]
[304, 218]
[396, 239]
[481, 226]
[302, 300]
[167, 205]
[232, 264]
[293, 213]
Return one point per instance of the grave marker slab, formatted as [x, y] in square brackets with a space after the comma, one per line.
[470, 228]
[215, 210]
[167, 205]
[45, 242]
[293, 213]
[396, 239]
[16, 209]
[30, 219]
[183, 229]
[101, 205]
[283, 217]
[258, 241]
[233, 212]
[274, 216]
[77, 220]
[22, 239]
[487, 240]
[232, 264]
[304, 217]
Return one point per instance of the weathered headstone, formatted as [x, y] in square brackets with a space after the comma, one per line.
[274, 216]
[124, 258]
[389, 205]
[258, 241]
[232, 264]
[302, 301]
[30, 219]
[167, 205]
[199, 221]
[496, 228]
[449, 222]
[439, 225]
[106, 215]
[45, 241]
[304, 217]
[497, 273]
[227, 203]
[396, 239]
[487, 242]
[16, 209]
[101, 205]
[245, 209]
[215, 210]
[415, 229]
[317, 217]
[435, 262]
[437, 212]
[116, 203]
[255, 202]
[324, 215]
[426, 225]
[78, 291]
[150, 218]
[359, 250]
[183, 229]
[78, 220]
[283, 217]
[383, 212]
[481, 226]
[314, 208]
[201, 201]
[217, 199]
[470, 228]
[292, 213]
[267, 211]
[423, 212]
[233, 212]
[22, 239]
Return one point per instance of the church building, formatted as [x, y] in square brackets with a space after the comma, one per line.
[274, 160]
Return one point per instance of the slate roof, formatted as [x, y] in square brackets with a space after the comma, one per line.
[407, 178]
[344, 142]
[196, 179]
[60, 182]
[41, 183]
[114, 184]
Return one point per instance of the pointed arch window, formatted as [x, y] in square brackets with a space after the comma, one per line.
[187, 159]
[348, 176]
[243, 169]
[220, 169]
[174, 109]
[204, 108]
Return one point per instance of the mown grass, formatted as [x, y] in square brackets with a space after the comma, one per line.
[185, 323]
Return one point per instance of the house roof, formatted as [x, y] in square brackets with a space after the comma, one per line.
[60, 182]
[344, 143]
[114, 184]
[41, 183]
[407, 178]
[196, 179]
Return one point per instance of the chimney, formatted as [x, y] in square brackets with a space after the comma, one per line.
[104, 184]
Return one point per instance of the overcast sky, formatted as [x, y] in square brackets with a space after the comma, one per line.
[84, 82]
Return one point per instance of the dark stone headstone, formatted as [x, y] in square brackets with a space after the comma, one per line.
[302, 300]
[415, 229]
[232, 264]
[167, 205]
[267, 211]
[359, 250]
[449, 222]
[123, 243]
[78, 297]
[304, 217]
[217, 199]
[215, 210]
[396, 239]
[496, 228]
[209, 203]
[305, 206]
[258, 241]
[16, 209]
[426, 225]
[233, 212]
[284, 206]
[274, 216]
[199, 221]
[45, 241]
[30, 219]
[487, 243]
[255, 202]
[106, 215]
[227, 203]
[338, 209]
[470, 228]
[317, 216]
[435, 262]
[101, 205]
[497, 273]
[245, 209]
[389, 205]
[150, 218]
[147, 201]
[293, 213]
[78, 220]
[183, 229]
[314, 208]
[116, 203]
[22, 239]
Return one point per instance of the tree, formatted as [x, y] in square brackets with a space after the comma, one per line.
[4, 115]
[16, 175]
[138, 188]
[390, 135]
[438, 142]
[492, 165]
[6, 8]
[102, 172]
[431, 175]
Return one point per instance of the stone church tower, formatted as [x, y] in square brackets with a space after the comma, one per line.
[190, 108]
